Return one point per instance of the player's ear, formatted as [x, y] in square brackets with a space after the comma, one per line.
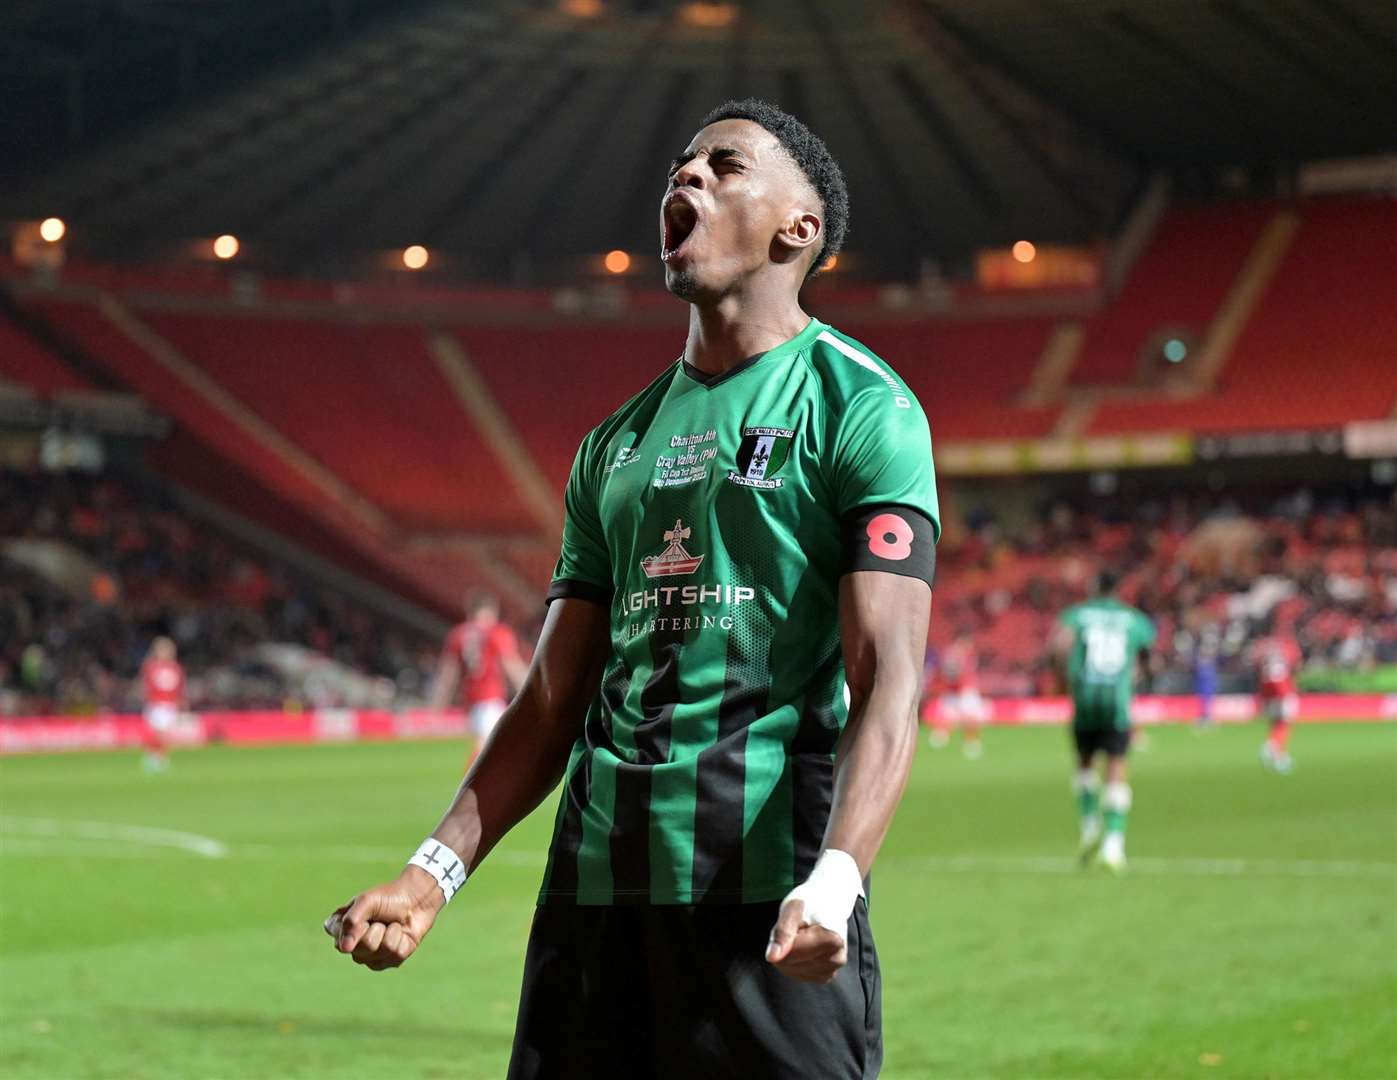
[800, 231]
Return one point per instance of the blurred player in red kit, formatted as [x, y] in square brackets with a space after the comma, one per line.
[482, 654]
[162, 688]
[1276, 658]
[961, 704]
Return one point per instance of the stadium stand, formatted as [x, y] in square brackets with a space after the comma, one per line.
[557, 383]
[1318, 350]
[25, 363]
[123, 563]
[1321, 565]
[256, 448]
[340, 429]
[967, 374]
[1179, 282]
[403, 445]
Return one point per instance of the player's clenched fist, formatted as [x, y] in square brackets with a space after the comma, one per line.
[805, 950]
[810, 939]
[383, 927]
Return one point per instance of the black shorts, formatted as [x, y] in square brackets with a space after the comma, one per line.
[1114, 741]
[634, 992]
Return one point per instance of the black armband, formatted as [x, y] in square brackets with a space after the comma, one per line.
[582, 590]
[894, 539]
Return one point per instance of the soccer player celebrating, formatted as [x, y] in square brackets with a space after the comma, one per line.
[486, 652]
[162, 687]
[1101, 640]
[1276, 657]
[727, 677]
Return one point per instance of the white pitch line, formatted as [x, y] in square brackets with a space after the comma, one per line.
[140, 835]
[368, 854]
[12, 846]
[31, 834]
[1147, 865]
[36, 836]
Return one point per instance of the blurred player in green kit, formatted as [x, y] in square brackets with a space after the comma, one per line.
[1101, 641]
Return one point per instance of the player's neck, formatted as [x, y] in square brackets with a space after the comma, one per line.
[728, 331]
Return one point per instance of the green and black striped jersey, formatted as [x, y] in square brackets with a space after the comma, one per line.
[714, 517]
[1107, 636]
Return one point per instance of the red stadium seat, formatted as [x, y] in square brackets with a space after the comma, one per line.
[1318, 350]
[556, 384]
[26, 363]
[368, 402]
[1179, 282]
[967, 374]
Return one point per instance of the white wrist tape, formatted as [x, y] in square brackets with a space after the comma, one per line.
[442, 863]
[830, 892]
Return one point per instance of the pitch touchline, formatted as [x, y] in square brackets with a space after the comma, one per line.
[33, 830]
[369, 854]
[141, 835]
[35, 836]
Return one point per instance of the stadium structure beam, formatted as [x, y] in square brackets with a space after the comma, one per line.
[912, 209]
[986, 51]
[1039, 130]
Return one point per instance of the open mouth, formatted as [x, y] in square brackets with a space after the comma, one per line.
[680, 219]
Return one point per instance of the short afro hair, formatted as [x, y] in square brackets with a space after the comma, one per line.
[812, 156]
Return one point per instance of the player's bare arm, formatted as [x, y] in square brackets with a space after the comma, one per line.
[883, 627]
[521, 764]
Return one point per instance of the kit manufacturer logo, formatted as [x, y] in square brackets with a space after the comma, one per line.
[626, 455]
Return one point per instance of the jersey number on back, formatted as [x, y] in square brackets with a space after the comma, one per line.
[1105, 651]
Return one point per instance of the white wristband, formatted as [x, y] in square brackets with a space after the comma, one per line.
[442, 863]
[830, 892]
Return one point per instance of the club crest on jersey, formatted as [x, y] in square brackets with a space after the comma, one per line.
[674, 561]
[760, 456]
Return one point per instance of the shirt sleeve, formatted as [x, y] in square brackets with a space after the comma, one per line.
[584, 565]
[882, 457]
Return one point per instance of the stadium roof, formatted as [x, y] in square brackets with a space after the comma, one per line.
[512, 135]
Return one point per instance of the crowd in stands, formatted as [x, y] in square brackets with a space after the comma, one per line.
[93, 568]
[1215, 575]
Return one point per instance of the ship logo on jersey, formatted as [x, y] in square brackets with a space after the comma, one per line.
[674, 561]
[760, 456]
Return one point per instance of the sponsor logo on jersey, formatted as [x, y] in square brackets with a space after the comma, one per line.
[760, 456]
[674, 561]
[684, 607]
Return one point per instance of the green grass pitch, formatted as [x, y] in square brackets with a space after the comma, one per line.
[1256, 935]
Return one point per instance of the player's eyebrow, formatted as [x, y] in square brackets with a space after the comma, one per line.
[717, 154]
